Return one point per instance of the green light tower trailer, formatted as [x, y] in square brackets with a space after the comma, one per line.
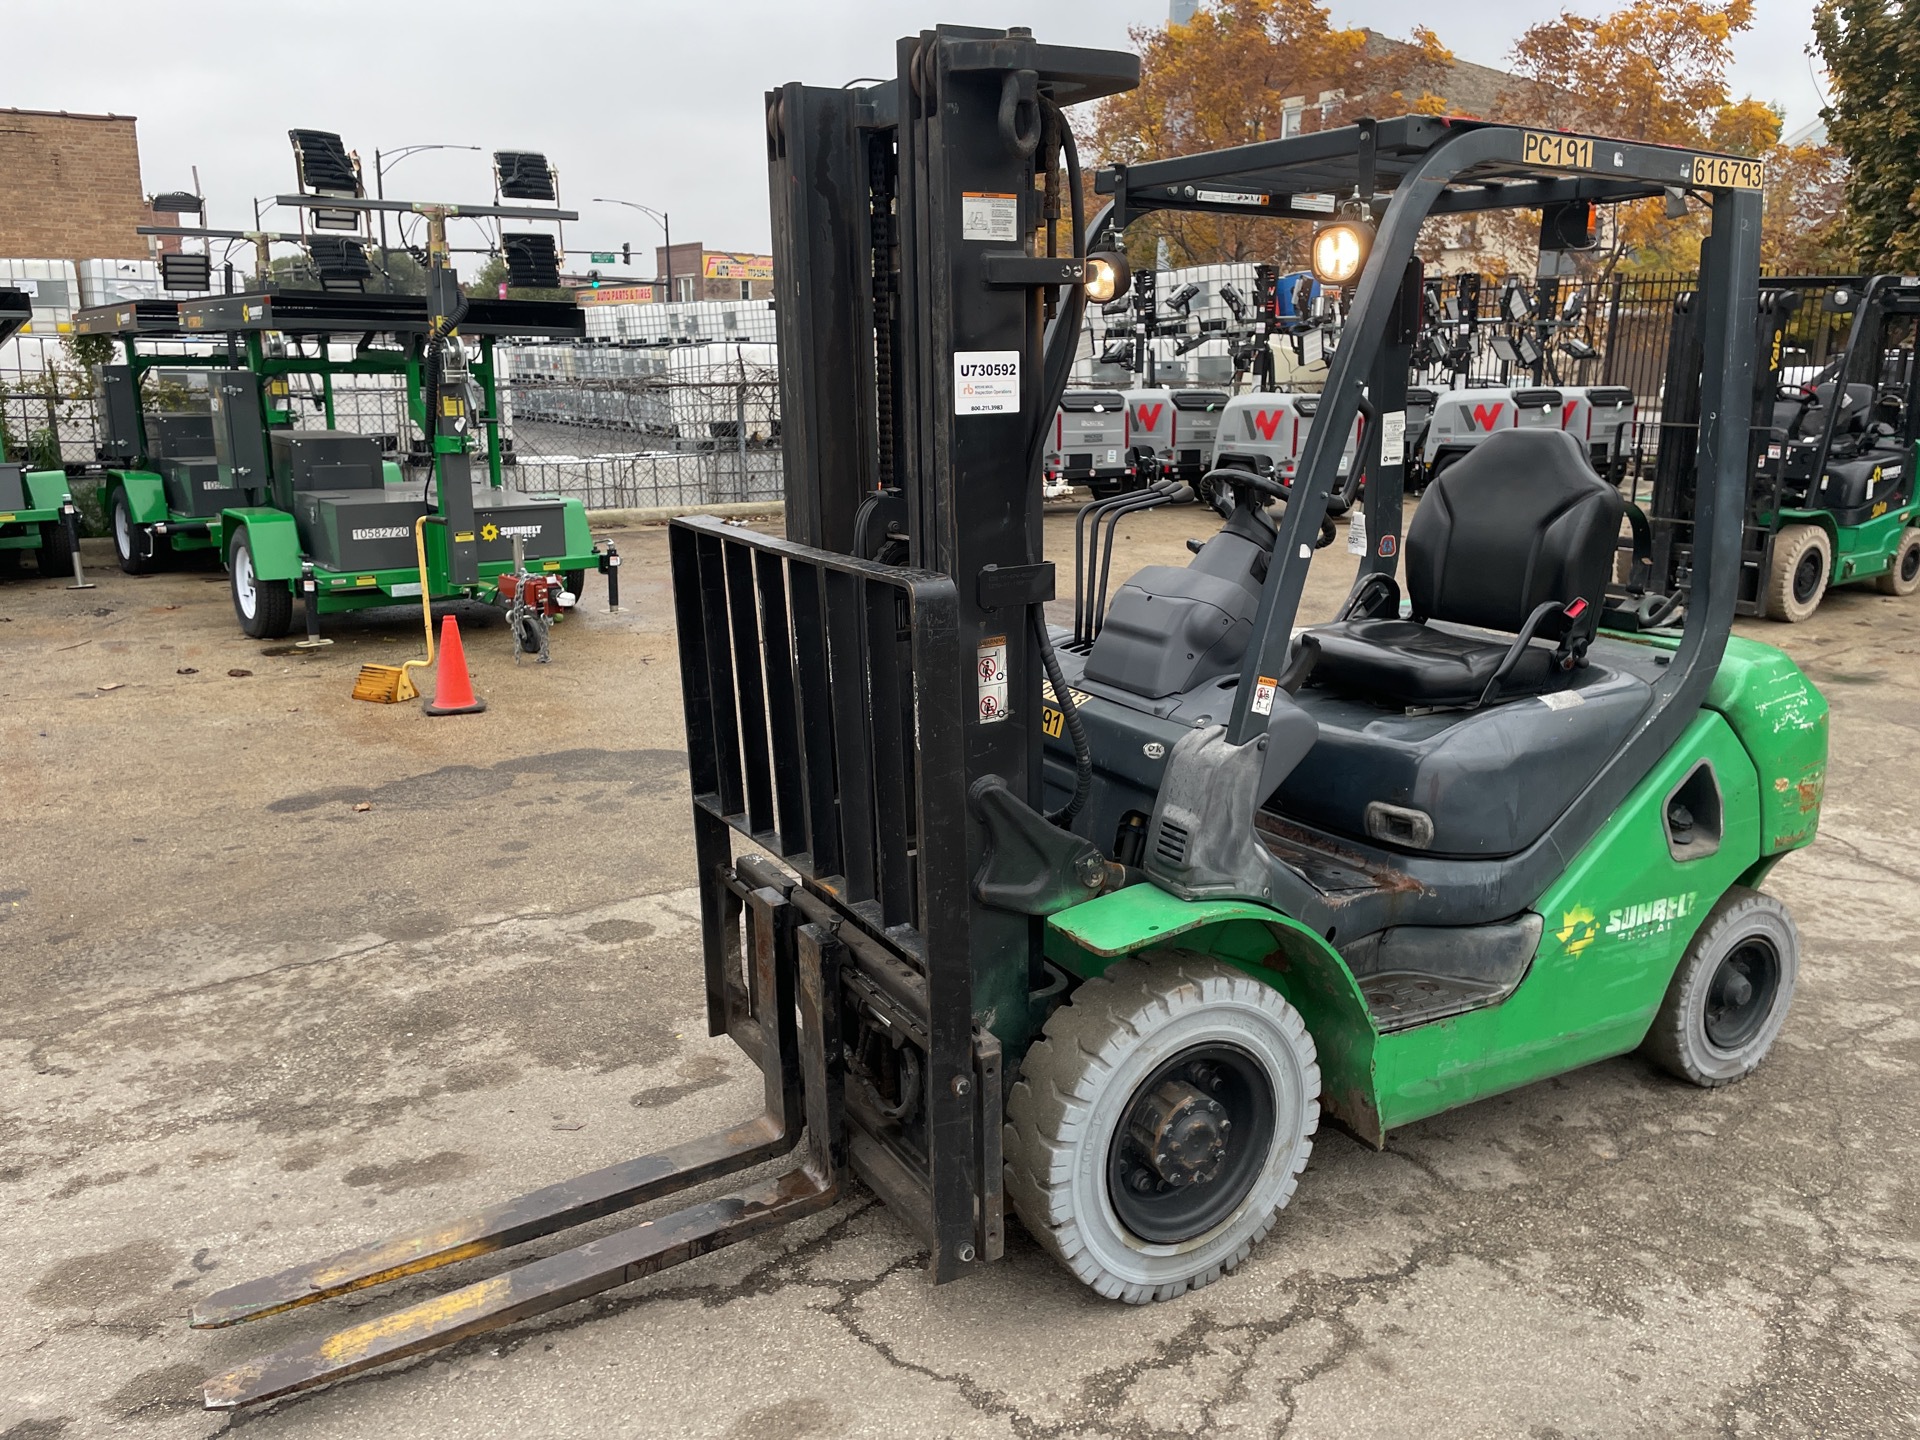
[37, 513]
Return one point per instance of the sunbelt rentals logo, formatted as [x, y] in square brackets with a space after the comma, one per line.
[1580, 926]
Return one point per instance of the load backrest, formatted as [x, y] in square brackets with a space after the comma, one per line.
[1520, 520]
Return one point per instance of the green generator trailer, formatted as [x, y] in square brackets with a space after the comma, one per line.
[37, 516]
[212, 447]
[1094, 932]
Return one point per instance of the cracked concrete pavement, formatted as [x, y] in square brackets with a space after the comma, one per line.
[285, 973]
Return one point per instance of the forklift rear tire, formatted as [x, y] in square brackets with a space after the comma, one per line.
[1802, 566]
[265, 607]
[56, 551]
[1903, 575]
[1729, 997]
[1160, 1124]
[132, 547]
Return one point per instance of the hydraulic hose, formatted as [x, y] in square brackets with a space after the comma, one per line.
[1076, 730]
[1056, 366]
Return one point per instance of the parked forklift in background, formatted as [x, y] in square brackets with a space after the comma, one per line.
[37, 513]
[1831, 497]
[1098, 932]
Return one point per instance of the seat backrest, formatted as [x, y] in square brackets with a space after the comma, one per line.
[1519, 520]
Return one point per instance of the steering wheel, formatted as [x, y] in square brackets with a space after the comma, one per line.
[1229, 488]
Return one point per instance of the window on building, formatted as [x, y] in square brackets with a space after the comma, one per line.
[1291, 114]
[746, 289]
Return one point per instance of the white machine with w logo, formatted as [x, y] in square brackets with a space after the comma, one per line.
[1273, 425]
[1599, 416]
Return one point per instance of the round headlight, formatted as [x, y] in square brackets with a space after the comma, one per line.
[1108, 276]
[1339, 250]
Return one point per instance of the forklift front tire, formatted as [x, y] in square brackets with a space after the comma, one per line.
[1802, 566]
[264, 607]
[1161, 1124]
[1903, 575]
[1729, 998]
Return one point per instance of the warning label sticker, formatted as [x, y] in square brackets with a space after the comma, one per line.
[1393, 438]
[985, 216]
[1357, 532]
[1264, 689]
[992, 670]
[986, 382]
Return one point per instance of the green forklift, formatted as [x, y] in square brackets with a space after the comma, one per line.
[1099, 932]
[1832, 498]
[37, 512]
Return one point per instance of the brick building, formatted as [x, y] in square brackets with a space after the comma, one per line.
[703, 274]
[70, 187]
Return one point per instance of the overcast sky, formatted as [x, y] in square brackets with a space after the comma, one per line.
[659, 103]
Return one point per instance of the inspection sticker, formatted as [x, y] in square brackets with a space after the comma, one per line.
[1356, 532]
[1393, 438]
[1264, 689]
[992, 669]
[986, 216]
[986, 382]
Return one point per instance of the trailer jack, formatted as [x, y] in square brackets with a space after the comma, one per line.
[800, 1056]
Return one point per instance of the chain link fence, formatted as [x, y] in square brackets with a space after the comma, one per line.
[615, 426]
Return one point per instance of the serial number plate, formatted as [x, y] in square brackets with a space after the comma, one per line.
[1562, 152]
[1720, 170]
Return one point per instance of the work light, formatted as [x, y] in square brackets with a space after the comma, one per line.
[1108, 276]
[1340, 249]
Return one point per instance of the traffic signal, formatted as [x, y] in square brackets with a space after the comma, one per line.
[626, 255]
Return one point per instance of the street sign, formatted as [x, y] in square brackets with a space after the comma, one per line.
[602, 257]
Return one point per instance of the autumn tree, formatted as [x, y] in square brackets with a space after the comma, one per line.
[1872, 54]
[1216, 81]
[1657, 70]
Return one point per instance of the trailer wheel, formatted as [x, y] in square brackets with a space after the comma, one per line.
[131, 545]
[1161, 1124]
[1903, 575]
[265, 607]
[56, 551]
[1802, 565]
[1729, 998]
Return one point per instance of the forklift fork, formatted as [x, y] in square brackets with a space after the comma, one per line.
[801, 1048]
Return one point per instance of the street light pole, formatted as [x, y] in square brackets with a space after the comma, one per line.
[380, 168]
[665, 225]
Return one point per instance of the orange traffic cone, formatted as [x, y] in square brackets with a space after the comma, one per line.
[452, 686]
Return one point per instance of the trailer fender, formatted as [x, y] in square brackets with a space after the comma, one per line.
[1273, 948]
[271, 537]
[146, 495]
[47, 489]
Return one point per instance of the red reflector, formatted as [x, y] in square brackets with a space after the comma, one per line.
[1576, 609]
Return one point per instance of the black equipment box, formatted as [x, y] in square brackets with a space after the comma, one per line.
[359, 529]
[306, 460]
[195, 487]
[501, 515]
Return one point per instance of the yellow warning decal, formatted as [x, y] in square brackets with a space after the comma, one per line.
[365, 580]
[464, 537]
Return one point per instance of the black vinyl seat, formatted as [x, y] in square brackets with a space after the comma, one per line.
[1512, 538]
